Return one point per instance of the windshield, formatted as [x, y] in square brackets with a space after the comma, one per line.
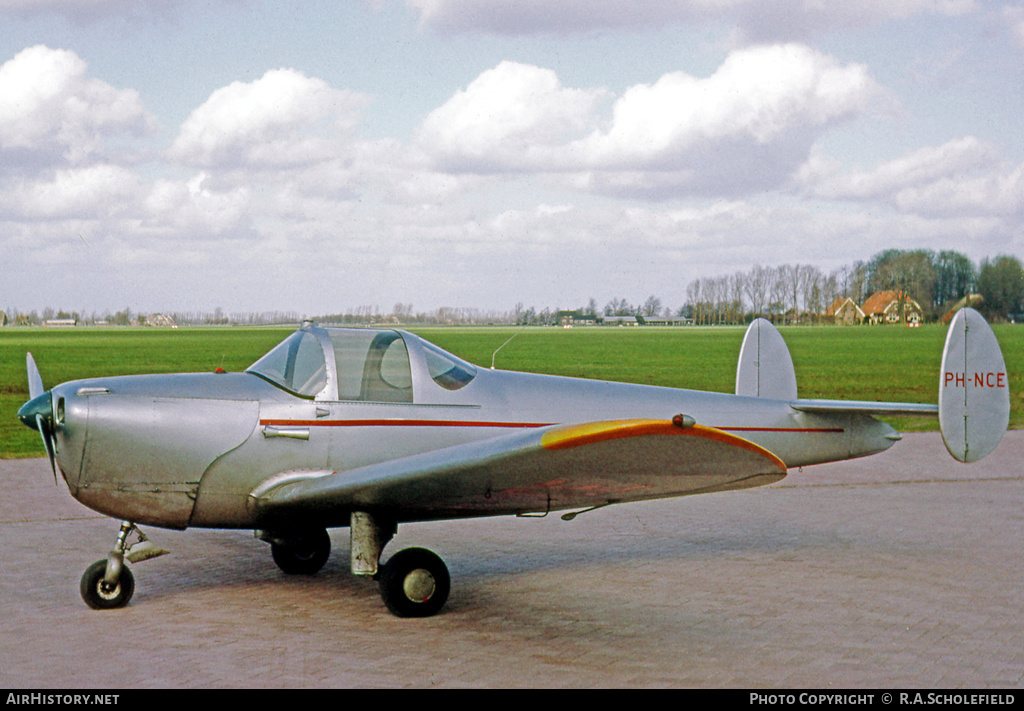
[296, 365]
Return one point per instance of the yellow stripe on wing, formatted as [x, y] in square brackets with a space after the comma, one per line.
[579, 435]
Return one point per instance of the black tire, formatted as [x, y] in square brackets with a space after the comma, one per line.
[415, 583]
[302, 556]
[98, 596]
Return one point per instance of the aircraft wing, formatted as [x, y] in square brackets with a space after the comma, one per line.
[535, 471]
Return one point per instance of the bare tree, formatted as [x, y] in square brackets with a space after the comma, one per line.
[811, 284]
[778, 290]
[694, 297]
[736, 284]
[757, 287]
[652, 307]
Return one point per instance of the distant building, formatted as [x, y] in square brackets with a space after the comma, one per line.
[568, 319]
[666, 321]
[160, 320]
[884, 307]
[845, 312]
[620, 321]
[61, 322]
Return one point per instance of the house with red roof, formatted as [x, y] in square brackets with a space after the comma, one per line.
[884, 307]
[845, 312]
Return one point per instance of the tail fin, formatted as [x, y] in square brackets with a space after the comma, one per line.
[765, 368]
[974, 391]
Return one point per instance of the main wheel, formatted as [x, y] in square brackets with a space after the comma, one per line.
[302, 556]
[100, 596]
[415, 583]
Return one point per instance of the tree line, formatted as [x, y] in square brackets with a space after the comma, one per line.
[786, 293]
[802, 292]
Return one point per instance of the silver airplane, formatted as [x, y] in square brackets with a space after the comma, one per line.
[370, 428]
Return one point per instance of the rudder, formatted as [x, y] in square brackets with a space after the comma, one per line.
[765, 368]
[974, 390]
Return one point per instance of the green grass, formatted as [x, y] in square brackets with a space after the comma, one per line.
[867, 363]
[71, 354]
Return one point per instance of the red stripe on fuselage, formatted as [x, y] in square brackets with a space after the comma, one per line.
[399, 423]
[510, 425]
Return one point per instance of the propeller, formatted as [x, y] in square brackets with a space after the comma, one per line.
[35, 380]
[37, 413]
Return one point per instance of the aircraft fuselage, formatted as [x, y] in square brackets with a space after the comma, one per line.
[190, 450]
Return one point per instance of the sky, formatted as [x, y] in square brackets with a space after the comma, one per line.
[321, 156]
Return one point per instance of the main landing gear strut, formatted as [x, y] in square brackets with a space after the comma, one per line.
[413, 583]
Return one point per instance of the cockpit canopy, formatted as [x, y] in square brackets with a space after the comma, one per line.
[357, 364]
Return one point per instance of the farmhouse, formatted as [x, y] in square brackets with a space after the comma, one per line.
[845, 312]
[884, 307]
[160, 320]
[568, 319]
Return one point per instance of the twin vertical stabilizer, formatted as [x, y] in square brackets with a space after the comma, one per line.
[765, 368]
[974, 389]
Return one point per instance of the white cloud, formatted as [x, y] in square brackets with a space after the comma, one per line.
[508, 117]
[48, 106]
[996, 193]
[284, 118]
[964, 176]
[89, 10]
[748, 126]
[920, 167]
[759, 95]
[755, 19]
[192, 208]
[1013, 16]
[96, 192]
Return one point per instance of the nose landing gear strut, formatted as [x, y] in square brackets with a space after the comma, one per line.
[109, 583]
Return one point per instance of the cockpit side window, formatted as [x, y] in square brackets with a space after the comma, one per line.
[447, 371]
[296, 365]
[373, 366]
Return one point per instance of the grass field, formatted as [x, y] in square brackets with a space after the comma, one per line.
[882, 363]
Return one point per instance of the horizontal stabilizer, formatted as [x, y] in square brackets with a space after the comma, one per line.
[867, 407]
[765, 367]
[974, 391]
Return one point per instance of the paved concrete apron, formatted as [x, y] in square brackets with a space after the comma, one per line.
[901, 570]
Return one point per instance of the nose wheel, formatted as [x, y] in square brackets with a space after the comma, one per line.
[108, 584]
[101, 595]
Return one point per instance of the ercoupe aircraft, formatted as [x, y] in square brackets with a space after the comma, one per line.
[370, 428]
